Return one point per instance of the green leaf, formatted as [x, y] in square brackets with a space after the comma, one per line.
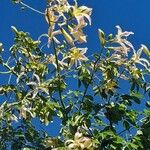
[147, 113]
[89, 97]
[136, 94]
[126, 124]
[29, 137]
[110, 37]
[133, 146]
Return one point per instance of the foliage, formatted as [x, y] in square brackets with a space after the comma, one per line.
[96, 113]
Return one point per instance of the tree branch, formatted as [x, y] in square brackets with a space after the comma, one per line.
[58, 74]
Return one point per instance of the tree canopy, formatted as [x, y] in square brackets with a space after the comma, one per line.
[84, 93]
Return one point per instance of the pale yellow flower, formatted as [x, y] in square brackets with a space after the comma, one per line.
[77, 32]
[82, 12]
[77, 55]
[79, 142]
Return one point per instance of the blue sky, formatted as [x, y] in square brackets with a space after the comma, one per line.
[131, 15]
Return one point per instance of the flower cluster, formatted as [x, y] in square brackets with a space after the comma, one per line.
[69, 21]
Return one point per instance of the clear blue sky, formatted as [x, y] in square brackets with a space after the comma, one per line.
[131, 15]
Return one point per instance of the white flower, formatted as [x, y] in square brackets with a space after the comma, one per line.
[118, 59]
[121, 39]
[137, 58]
[52, 60]
[38, 86]
[123, 49]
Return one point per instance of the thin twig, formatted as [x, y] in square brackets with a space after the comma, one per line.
[7, 72]
[31, 8]
[10, 69]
